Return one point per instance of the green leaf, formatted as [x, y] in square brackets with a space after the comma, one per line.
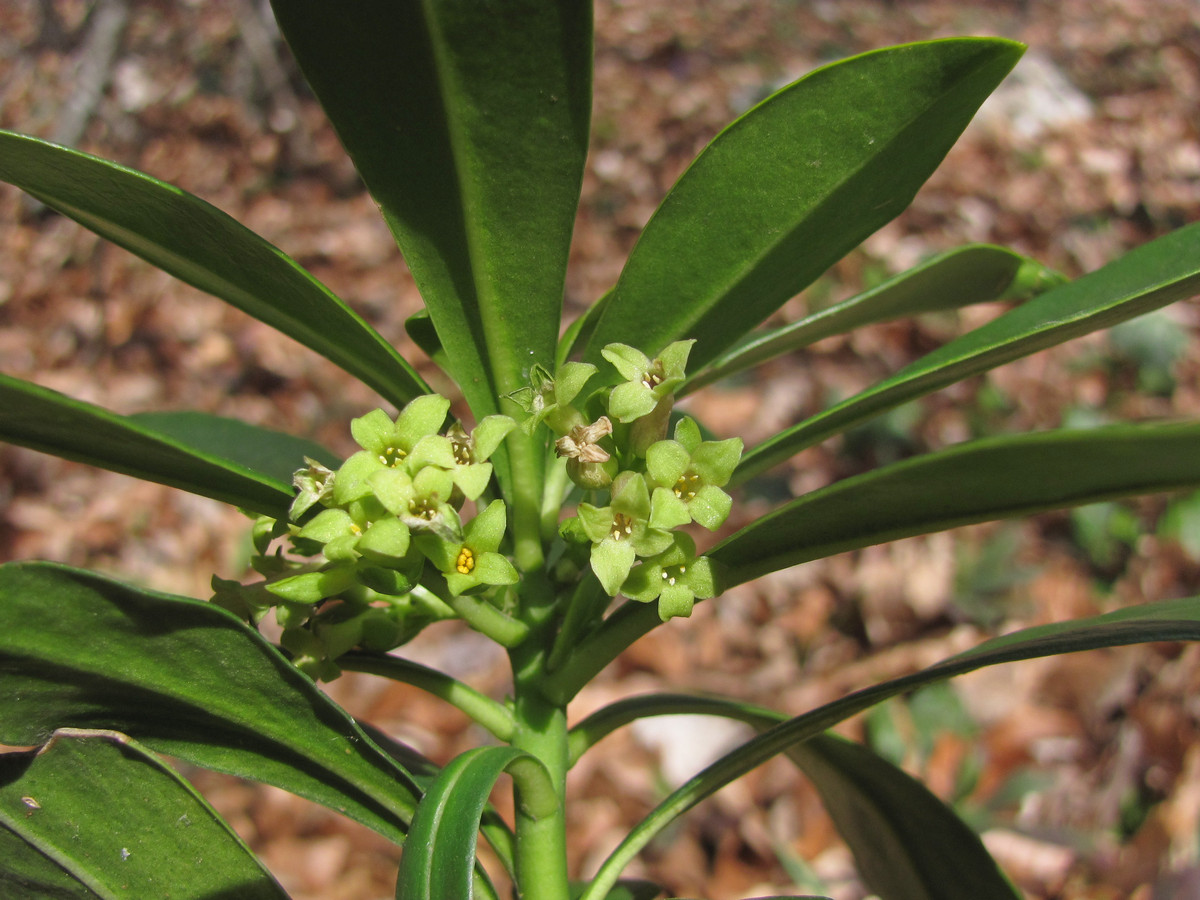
[1153, 275]
[439, 858]
[113, 817]
[274, 453]
[25, 872]
[979, 481]
[791, 187]
[908, 845]
[976, 273]
[199, 244]
[51, 422]
[187, 679]
[469, 124]
[1173, 620]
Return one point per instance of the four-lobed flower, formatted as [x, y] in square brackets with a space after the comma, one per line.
[636, 523]
[648, 382]
[676, 578]
[695, 470]
[473, 561]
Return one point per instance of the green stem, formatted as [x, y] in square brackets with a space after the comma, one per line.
[602, 646]
[487, 620]
[583, 608]
[541, 850]
[554, 493]
[526, 457]
[482, 709]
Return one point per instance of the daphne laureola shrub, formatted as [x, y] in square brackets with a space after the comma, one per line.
[573, 513]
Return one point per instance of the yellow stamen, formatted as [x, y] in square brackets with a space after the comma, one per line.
[465, 564]
[392, 456]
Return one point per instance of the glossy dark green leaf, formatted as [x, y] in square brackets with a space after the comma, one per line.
[469, 124]
[908, 845]
[1173, 620]
[25, 872]
[51, 422]
[273, 453]
[979, 481]
[199, 244]
[976, 273]
[122, 824]
[439, 858]
[185, 678]
[792, 186]
[1153, 275]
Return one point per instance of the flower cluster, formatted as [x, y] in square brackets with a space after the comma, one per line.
[642, 485]
[388, 552]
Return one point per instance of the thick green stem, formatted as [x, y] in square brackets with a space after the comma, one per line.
[526, 456]
[541, 850]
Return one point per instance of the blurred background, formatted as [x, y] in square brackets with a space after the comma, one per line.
[1082, 773]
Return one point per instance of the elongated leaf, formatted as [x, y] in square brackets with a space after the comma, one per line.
[979, 481]
[791, 187]
[439, 858]
[203, 246]
[274, 453]
[908, 844]
[25, 872]
[976, 273]
[187, 679]
[975, 482]
[46, 420]
[1175, 620]
[122, 824]
[469, 124]
[1153, 275]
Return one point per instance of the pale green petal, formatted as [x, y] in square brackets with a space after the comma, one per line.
[327, 525]
[393, 488]
[667, 511]
[674, 359]
[710, 507]
[493, 568]
[687, 432]
[484, 532]
[597, 521]
[384, 541]
[473, 479]
[570, 381]
[350, 482]
[311, 587]
[714, 461]
[420, 417]
[666, 461]
[631, 400]
[631, 363]
[631, 496]
[611, 561]
[372, 431]
[431, 450]
[675, 600]
[488, 434]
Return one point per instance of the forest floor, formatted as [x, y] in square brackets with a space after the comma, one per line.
[1082, 772]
